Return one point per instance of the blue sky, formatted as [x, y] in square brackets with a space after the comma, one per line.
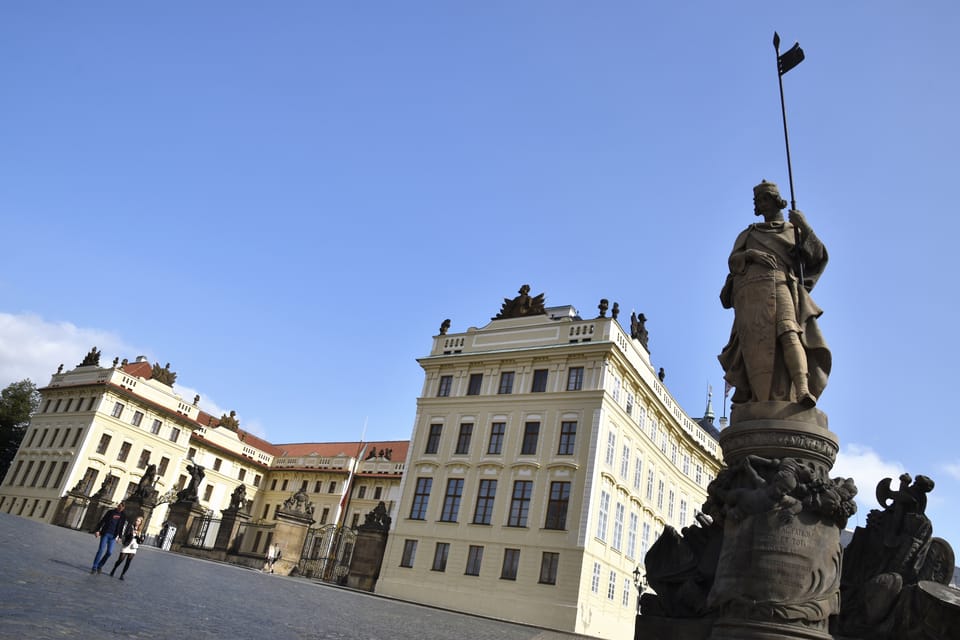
[284, 200]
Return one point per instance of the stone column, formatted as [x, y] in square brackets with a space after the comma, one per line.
[95, 510]
[181, 515]
[367, 558]
[290, 533]
[71, 510]
[230, 522]
[778, 574]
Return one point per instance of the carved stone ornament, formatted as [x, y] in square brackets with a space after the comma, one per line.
[164, 374]
[377, 519]
[191, 492]
[92, 359]
[238, 499]
[298, 504]
[522, 305]
[230, 421]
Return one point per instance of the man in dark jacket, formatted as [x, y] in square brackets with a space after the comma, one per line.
[109, 529]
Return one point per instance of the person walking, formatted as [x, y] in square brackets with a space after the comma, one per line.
[131, 539]
[110, 526]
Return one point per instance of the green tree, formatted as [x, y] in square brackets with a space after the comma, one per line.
[17, 402]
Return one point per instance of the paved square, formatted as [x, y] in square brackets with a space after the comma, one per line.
[46, 591]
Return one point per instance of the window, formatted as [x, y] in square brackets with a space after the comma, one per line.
[645, 540]
[473, 387]
[497, 430]
[144, 459]
[241, 474]
[627, 590]
[520, 503]
[568, 438]
[63, 440]
[485, 497]
[683, 511]
[409, 553]
[440, 556]
[686, 464]
[625, 461]
[164, 463]
[616, 389]
[124, 452]
[421, 497]
[618, 514]
[324, 515]
[191, 453]
[273, 485]
[539, 381]
[70, 404]
[660, 495]
[698, 474]
[638, 473]
[433, 440]
[137, 418]
[595, 580]
[451, 500]
[117, 410]
[76, 437]
[548, 567]
[511, 561]
[283, 485]
[611, 448]
[463, 439]
[103, 444]
[332, 488]
[603, 516]
[46, 481]
[90, 404]
[474, 558]
[207, 493]
[650, 478]
[531, 432]
[377, 492]
[632, 535]
[361, 492]
[673, 452]
[355, 521]
[446, 383]
[217, 463]
[63, 470]
[89, 478]
[53, 438]
[46, 406]
[256, 480]
[23, 478]
[56, 407]
[670, 501]
[40, 467]
[575, 379]
[612, 586]
[174, 434]
[155, 428]
[629, 404]
[506, 383]
[557, 506]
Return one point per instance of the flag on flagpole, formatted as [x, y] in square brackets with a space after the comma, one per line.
[790, 58]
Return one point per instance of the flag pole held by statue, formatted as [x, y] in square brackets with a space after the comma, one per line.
[790, 58]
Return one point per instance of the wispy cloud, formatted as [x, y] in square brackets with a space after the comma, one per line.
[31, 347]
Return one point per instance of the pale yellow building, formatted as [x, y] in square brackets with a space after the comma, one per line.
[546, 458]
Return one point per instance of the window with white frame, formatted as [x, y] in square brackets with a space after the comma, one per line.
[612, 586]
[603, 516]
[625, 461]
[627, 590]
[595, 581]
[638, 473]
[645, 540]
[611, 447]
[618, 512]
[632, 535]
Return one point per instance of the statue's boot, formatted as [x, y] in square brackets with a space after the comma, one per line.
[802, 391]
[796, 361]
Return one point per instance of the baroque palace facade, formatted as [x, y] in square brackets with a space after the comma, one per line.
[98, 429]
[546, 458]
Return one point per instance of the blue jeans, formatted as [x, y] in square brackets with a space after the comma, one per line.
[104, 550]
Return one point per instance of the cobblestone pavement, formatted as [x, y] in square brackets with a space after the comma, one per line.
[46, 591]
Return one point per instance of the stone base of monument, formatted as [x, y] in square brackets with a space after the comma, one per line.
[660, 628]
[778, 574]
[182, 515]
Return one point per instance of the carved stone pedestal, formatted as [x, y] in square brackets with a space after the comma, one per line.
[95, 510]
[778, 574]
[366, 560]
[290, 533]
[71, 510]
[230, 522]
[143, 507]
[181, 515]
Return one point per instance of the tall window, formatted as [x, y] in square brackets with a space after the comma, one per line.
[155, 428]
[451, 500]
[603, 516]
[440, 556]
[632, 535]
[421, 497]
[124, 451]
[117, 410]
[531, 432]
[611, 448]
[549, 563]
[506, 382]
[474, 559]
[137, 418]
[627, 590]
[557, 506]
[174, 434]
[645, 540]
[104, 443]
[650, 478]
[670, 501]
[463, 439]
[511, 561]
[217, 463]
[698, 474]
[485, 497]
[618, 513]
[686, 464]
[207, 493]
[595, 580]
[575, 379]
[625, 461]
[473, 387]
[629, 404]
[568, 438]
[660, 495]
[612, 586]
[683, 511]
[144, 459]
[638, 473]
[162, 467]
[497, 430]
[520, 503]
[409, 553]
[539, 381]
[433, 440]
[446, 383]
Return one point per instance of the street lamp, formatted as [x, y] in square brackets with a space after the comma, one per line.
[640, 582]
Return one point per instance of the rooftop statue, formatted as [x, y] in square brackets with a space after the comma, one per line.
[522, 305]
[91, 359]
[164, 374]
[776, 350]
